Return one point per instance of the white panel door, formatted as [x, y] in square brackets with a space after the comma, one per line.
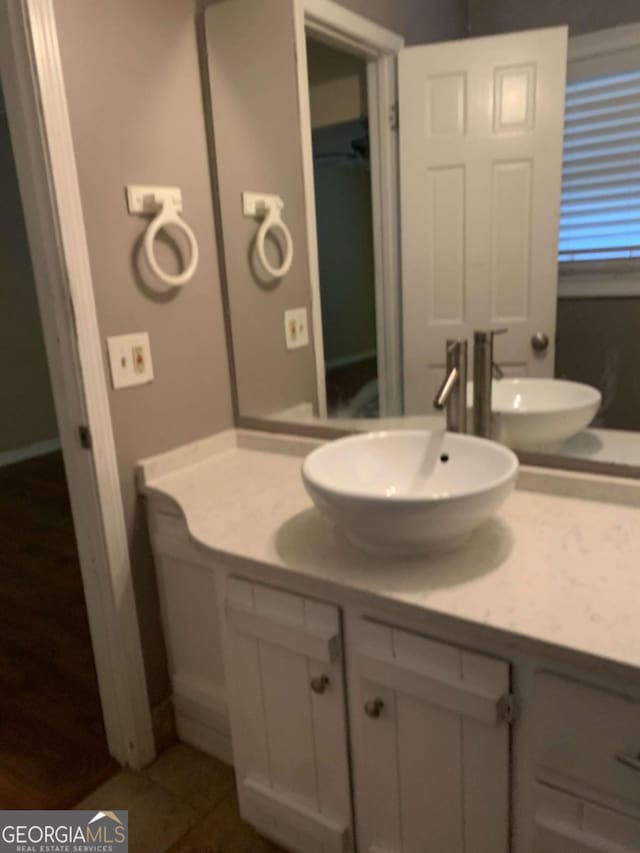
[283, 657]
[481, 125]
[430, 745]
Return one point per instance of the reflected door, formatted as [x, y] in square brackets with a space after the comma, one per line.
[481, 124]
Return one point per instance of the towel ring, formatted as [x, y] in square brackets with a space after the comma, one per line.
[167, 203]
[164, 218]
[270, 208]
[273, 222]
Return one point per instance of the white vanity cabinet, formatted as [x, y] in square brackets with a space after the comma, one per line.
[187, 590]
[368, 737]
[413, 736]
[405, 736]
[288, 716]
[430, 726]
[370, 702]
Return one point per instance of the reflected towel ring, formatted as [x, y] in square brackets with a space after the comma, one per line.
[167, 203]
[269, 208]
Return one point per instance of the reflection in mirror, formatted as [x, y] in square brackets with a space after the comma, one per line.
[342, 187]
[435, 191]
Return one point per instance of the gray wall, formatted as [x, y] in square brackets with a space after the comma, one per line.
[133, 84]
[419, 21]
[257, 140]
[599, 343]
[582, 16]
[27, 415]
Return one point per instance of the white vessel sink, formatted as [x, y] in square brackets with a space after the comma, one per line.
[531, 412]
[408, 491]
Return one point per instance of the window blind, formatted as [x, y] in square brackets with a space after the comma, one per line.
[600, 203]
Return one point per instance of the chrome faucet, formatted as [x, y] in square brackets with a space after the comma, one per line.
[452, 394]
[484, 369]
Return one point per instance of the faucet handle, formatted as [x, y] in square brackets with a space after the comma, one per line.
[498, 372]
[484, 335]
[454, 345]
[444, 392]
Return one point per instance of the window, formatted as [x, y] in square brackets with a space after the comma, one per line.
[600, 218]
[600, 207]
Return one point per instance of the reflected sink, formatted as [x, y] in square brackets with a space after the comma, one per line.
[530, 412]
[409, 491]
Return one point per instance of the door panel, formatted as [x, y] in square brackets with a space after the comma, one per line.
[286, 696]
[432, 765]
[377, 778]
[289, 724]
[480, 160]
[430, 737]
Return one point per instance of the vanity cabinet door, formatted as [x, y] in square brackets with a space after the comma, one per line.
[287, 707]
[588, 741]
[569, 824]
[431, 745]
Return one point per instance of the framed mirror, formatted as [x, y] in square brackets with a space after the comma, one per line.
[432, 191]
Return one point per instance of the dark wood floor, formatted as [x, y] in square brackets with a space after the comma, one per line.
[52, 742]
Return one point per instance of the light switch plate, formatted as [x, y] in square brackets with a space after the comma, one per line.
[130, 360]
[296, 329]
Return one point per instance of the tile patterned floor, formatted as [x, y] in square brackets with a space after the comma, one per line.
[184, 803]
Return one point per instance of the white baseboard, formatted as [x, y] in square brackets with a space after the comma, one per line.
[19, 454]
[202, 717]
[204, 738]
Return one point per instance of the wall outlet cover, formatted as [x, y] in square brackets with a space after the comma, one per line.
[130, 360]
[296, 328]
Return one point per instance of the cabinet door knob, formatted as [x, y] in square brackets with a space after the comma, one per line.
[540, 342]
[320, 683]
[629, 760]
[373, 707]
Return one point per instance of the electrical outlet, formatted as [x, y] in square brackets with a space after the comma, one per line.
[296, 329]
[130, 360]
[139, 360]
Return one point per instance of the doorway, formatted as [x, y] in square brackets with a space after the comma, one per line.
[38, 117]
[53, 746]
[353, 55]
[338, 102]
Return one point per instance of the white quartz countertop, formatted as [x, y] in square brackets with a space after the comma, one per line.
[559, 565]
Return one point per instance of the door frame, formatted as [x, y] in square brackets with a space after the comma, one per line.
[45, 161]
[338, 27]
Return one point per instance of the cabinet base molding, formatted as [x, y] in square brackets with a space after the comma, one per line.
[202, 718]
[208, 740]
[289, 814]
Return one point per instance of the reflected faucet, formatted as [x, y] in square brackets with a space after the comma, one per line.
[452, 394]
[484, 369]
